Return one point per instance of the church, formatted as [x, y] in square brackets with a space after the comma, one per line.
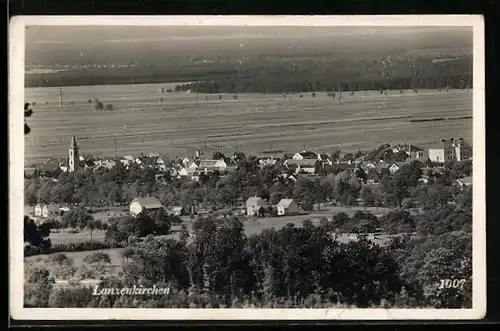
[73, 159]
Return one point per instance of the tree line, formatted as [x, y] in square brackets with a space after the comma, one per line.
[219, 266]
[278, 77]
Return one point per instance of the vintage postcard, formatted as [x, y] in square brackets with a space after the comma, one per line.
[247, 167]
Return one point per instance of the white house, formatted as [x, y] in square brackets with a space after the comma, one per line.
[394, 167]
[44, 210]
[269, 161]
[39, 209]
[145, 204]
[212, 165]
[107, 164]
[193, 165]
[306, 155]
[287, 207]
[253, 205]
[305, 165]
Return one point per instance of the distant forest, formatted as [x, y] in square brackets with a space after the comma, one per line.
[279, 76]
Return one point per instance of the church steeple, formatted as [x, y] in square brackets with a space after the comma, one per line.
[73, 155]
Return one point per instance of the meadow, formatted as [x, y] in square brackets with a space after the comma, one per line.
[177, 123]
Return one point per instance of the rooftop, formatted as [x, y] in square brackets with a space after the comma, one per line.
[285, 203]
[149, 202]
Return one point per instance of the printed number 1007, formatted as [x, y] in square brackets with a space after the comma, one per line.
[451, 283]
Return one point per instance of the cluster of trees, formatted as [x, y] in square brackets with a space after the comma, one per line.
[121, 230]
[99, 105]
[27, 113]
[219, 266]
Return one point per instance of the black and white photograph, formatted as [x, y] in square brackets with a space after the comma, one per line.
[254, 167]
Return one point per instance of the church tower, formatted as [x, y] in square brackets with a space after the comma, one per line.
[73, 155]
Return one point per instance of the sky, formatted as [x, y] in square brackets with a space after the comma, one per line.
[117, 42]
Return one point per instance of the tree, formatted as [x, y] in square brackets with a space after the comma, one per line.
[36, 235]
[127, 253]
[37, 287]
[98, 258]
[91, 225]
[143, 224]
[109, 106]
[184, 235]
[27, 113]
[76, 218]
[162, 222]
[98, 105]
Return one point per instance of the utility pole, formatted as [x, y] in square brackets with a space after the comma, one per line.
[60, 96]
[197, 101]
[340, 95]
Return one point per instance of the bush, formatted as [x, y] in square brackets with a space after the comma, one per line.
[70, 247]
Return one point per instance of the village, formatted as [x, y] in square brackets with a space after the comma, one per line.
[309, 164]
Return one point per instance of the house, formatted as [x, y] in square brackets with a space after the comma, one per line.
[269, 161]
[145, 204]
[394, 167]
[194, 165]
[287, 207]
[381, 165]
[253, 205]
[88, 164]
[185, 172]
[185, 161]
[306, 155]
[342, 159]
[212, 165]
[450, 150]
[44, 210]
[127, 160]
[464, 182]
[39, 209]
[304, 165]
[106, 164]
[178, 211]
[368, 165]
[424, 179]
[325, 158]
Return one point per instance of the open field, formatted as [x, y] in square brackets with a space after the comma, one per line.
[251, 227]
[253, 123]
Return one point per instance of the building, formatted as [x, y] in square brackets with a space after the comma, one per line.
[287, 207]
[139, 205]
[39, 209]
[451, 150]
[212, 165]
[43, 210]
[305, 165]
[253, 205]
[306, 155]
[178, 211]
[267, 161]
[73, 157]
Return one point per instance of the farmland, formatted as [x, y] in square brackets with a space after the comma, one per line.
[257, 124]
